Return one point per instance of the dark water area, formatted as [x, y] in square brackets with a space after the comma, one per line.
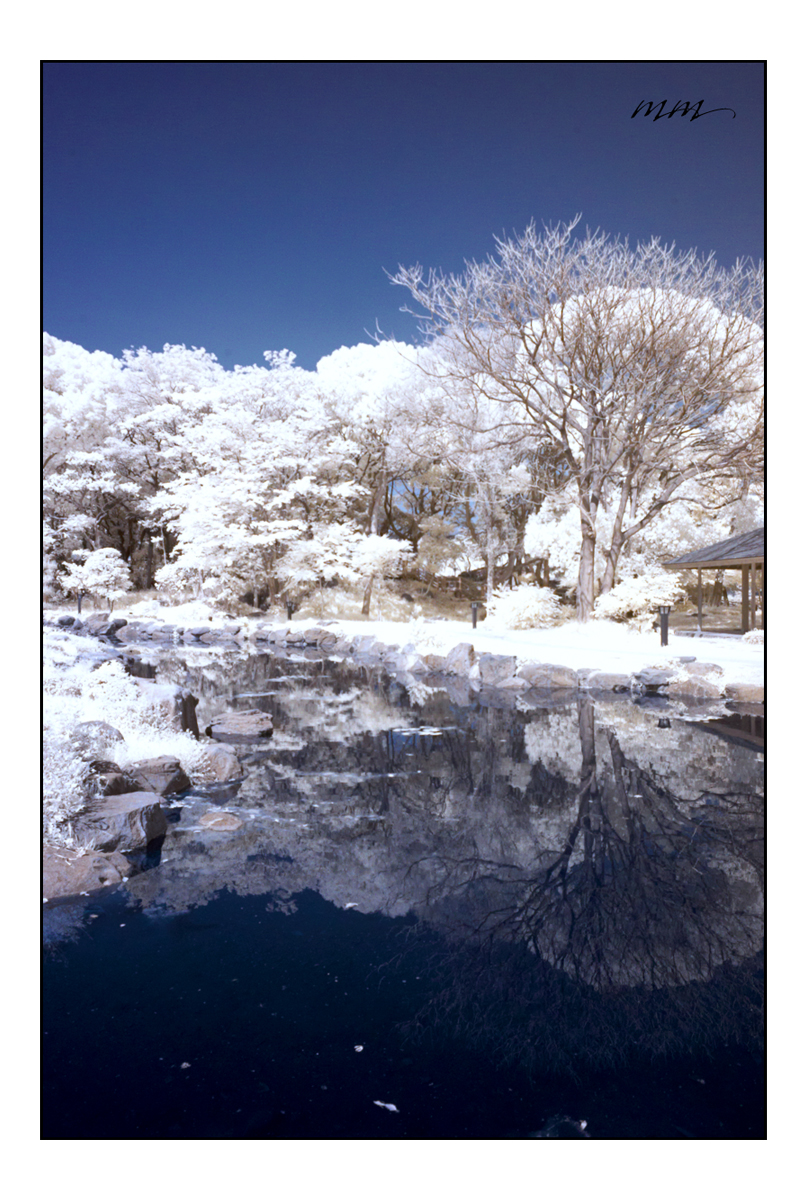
[444, 916]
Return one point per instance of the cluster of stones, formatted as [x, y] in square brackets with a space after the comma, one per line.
[103, 625]
[686, 679]
[123, 811]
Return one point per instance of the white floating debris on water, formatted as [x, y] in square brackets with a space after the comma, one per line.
[351, 904]
[381, 1104]
[184, 1066]
[358, 1050]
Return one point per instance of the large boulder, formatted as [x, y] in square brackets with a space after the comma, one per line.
[105, 778]
[650, 679]
[459, 660]
[174, 703]
[547, 675]
[91, 738]
[220, 764]
[606, 681]
[95, 621]
[496, 668]
[163, 775]
[242, 726]
[366, 644]
[127, 822]
[694, 689]
[69, 873]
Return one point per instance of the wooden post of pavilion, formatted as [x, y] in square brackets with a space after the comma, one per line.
[753, 595]
[700, 601]
[745, 598]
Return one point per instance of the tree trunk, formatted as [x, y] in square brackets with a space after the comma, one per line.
[585, 577]
[490, 563]
[368, 591]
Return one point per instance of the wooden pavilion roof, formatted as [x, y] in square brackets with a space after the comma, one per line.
[742, 550]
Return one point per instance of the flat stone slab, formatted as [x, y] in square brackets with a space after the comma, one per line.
[239, 726]
[221, 822]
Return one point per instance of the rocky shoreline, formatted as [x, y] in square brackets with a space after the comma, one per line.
[126, 810]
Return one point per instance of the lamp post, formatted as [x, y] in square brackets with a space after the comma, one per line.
[474, 607]
[289, 608]
[664, 614]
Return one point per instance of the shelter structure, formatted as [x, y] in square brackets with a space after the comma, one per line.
[746, 553]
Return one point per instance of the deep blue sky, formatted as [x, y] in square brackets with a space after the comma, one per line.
[248, 206]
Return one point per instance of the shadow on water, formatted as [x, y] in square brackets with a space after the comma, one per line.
[513, 918]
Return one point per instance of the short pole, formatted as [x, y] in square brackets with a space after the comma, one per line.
[664, 615]
[289, 608]
[474, 607]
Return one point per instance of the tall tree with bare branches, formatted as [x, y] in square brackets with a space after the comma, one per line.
[638, 369]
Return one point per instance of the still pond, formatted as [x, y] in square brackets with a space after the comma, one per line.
[442, 916]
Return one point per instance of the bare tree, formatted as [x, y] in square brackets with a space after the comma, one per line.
[638, 370]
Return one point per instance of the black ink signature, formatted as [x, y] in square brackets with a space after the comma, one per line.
[682, 106]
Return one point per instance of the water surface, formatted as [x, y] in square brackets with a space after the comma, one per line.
[516, 909]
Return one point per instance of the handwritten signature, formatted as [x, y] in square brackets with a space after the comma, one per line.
[682, 106]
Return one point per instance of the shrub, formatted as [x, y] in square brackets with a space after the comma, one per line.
[638, 598]
[524, 607]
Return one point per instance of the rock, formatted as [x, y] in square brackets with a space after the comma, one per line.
[126, 822]
[91, 738]
[702, 668]
[365, 644]
[460, 660]
[104, 778]
[650, 679]
[175, 703]
[435, 662]
[221, 821]
[93, 623]
[66, 621]
[134, 631]
[110, 628]
[163, 775]
[547, 675]
[221, 765]
[606, 681]
[240, 726]
[327, 641]
[746, 693]
[313, 635]
[695, 689]
[68, 873]
[515, 684]
[495, 668]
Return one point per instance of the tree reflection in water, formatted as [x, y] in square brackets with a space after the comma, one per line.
[641, 935]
